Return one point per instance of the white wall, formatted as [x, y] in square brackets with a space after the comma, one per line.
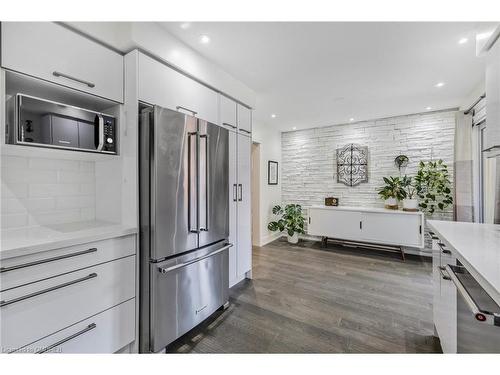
[151, 37]
[270, 195]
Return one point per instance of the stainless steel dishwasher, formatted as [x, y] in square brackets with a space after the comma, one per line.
[478, 315]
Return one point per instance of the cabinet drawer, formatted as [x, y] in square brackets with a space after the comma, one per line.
[106, 332]
[37, 310]
[163, 86]
[50, 51]
[15, 272]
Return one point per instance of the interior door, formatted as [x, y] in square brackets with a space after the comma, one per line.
[244, 205]
[173, 183]
[213, 183]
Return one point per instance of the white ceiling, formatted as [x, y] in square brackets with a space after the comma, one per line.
[319, 74]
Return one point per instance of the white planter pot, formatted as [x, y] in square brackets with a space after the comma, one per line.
[391, 203]
[293, 239]
[410, 204]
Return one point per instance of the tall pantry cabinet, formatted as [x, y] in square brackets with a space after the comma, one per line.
[237, 119]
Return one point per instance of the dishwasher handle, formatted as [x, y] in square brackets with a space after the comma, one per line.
[480, 315]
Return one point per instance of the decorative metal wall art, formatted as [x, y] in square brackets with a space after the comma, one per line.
[352, 164]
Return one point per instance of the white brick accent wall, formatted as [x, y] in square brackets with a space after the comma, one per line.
[37, 191]
[309, 170]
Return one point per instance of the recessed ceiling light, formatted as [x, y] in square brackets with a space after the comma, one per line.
[294, 128]
[205, 39]
[463, 41]
[428, 108]
[485, 35]
[185, 25]
[439, 84]
[273, 116]
[351, 119]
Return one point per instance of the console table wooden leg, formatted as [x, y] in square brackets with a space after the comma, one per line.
[402, 253]
[324, 241]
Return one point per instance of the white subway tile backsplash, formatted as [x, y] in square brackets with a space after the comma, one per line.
[75, 177]
[54, 164]
[40, 191]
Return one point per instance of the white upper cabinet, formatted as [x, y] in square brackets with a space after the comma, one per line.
[244, 119]
[50, 51]
[228, 113]
[163, 86]
[492, 138]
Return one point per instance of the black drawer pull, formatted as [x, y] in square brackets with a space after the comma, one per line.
[37, 262]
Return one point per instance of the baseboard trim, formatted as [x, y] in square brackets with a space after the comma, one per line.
[268, 239]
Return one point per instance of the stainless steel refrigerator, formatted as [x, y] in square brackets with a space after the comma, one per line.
[184, 221]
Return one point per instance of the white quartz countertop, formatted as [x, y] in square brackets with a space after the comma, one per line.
[25, 241]
[366, 209]
[477, 247]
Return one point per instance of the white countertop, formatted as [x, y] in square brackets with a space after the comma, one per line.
[17, 242]
[477, 246]
[367, 209]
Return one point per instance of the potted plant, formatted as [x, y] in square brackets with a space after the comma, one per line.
[433, 186]
[391, 192]
[410, 202]
[291, 221]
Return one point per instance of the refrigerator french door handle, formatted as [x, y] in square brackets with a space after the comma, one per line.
[235, 192]
[207, 182]
[240, 198]
[192, 195]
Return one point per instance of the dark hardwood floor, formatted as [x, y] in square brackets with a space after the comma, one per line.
[305, 299]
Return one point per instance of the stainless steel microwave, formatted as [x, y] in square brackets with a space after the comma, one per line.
[44, 123]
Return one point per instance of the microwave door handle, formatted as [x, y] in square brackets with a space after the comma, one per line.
[99, 134]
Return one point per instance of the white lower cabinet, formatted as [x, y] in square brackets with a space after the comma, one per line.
[240, 231]
[49, 295]
[106, 332]
[445, 297]
[378, 226]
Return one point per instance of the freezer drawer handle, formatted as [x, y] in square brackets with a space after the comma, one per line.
[180, 265]
[86, 83]
[37, 262]
[186, 109]
[482, 316]
[90, 327]
[51, 289]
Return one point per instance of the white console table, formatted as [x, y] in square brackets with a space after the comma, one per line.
[373, 227]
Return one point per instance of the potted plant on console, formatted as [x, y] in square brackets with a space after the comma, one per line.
[392, 192]
[291, 221]
[410, 201]
[433, 186]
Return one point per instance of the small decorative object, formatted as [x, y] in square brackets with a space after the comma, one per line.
[433, 186]
[272, 172]
[391, 192]
[401, 161]
[352, 164]
[331, 201]
[410, 202]
[291, 221]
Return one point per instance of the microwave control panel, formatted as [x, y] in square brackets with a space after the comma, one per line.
[109, 134]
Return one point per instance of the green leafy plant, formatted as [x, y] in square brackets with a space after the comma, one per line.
[291, 219]
[433, 186]
[409, 187]
[393, 188]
